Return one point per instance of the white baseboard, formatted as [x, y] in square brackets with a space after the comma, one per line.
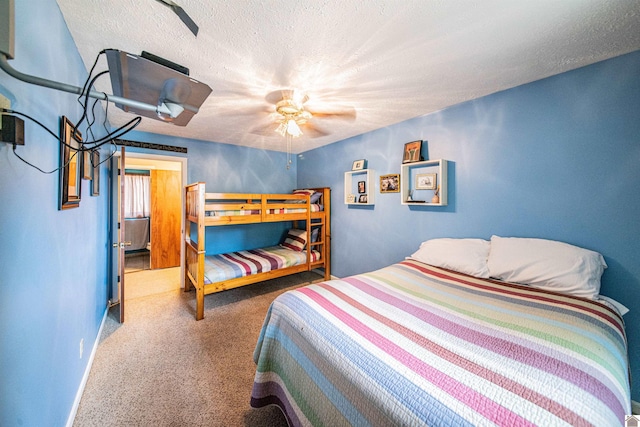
[635, 407]
[85, 377]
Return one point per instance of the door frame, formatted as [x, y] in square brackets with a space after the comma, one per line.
[183, 176]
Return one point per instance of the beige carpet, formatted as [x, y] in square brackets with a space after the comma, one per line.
[162, 368]
[143, 283]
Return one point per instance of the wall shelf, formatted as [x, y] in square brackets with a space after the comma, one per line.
[351, 180]
[423, 197]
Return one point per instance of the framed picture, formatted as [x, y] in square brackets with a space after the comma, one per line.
[412, 152]
[363, 198]
[359, 165]
[87, 170]
[390, 183]
[362, 187]
[70, 171]
[95, 173]
[426, 181]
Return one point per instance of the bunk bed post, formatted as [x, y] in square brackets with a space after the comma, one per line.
[201, 252]
[308, 222]
[326, 248]
[187, 228]
[188, 220]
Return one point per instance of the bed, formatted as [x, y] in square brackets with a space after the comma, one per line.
[421, 344]
[306, 246]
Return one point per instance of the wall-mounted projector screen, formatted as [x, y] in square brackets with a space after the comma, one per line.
[140, 79]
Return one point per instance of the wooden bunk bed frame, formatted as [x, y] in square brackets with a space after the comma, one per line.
[250, 208]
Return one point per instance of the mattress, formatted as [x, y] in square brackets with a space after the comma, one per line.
[411, 344]
[244, 263]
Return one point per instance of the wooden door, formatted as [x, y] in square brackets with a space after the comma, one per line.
[166, 216]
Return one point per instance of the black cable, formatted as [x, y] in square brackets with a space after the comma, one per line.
[88, 83]
[86, 97]
[130, 125]
[127, 127]
[93, 119]
[110, 135]
[36, 167]
[84, 146]
[95, 62]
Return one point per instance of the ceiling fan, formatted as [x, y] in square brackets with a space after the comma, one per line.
[186, 19]
[293, 119]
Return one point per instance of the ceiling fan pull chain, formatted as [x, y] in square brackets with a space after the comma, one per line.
[289, 137]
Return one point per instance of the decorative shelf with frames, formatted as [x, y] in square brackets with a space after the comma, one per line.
[419, 180]
[351, 183]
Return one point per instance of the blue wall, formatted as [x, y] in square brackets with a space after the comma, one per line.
[52, 263]
[219, 166]
[558, 159]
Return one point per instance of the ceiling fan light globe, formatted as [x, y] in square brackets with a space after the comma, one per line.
[293, 129]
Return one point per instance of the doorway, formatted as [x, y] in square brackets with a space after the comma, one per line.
[155, 262]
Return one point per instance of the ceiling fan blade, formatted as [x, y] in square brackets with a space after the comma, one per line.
[265, 130]
[251, 112]
[186, 19]
[346, 113]
[278, 95]
[312, 131]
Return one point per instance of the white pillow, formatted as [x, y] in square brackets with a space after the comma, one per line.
[547, 264]
[468, 256]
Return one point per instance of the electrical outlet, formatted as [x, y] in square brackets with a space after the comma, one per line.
[81, 347]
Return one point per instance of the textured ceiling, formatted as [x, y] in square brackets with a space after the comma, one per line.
[391, 60]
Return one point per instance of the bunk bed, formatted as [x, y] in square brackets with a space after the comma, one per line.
[219, 272]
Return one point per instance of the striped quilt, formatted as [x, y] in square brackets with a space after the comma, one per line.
[412, 345]
[244, 263]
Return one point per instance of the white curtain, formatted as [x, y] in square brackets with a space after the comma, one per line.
[137, 203]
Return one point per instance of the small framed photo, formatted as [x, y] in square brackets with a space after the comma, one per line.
[412, 152]
[86, 165]
[359, 165]
[363, 198]
[390, 183]
[95, 173]
[362, 188]
[426, 181]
